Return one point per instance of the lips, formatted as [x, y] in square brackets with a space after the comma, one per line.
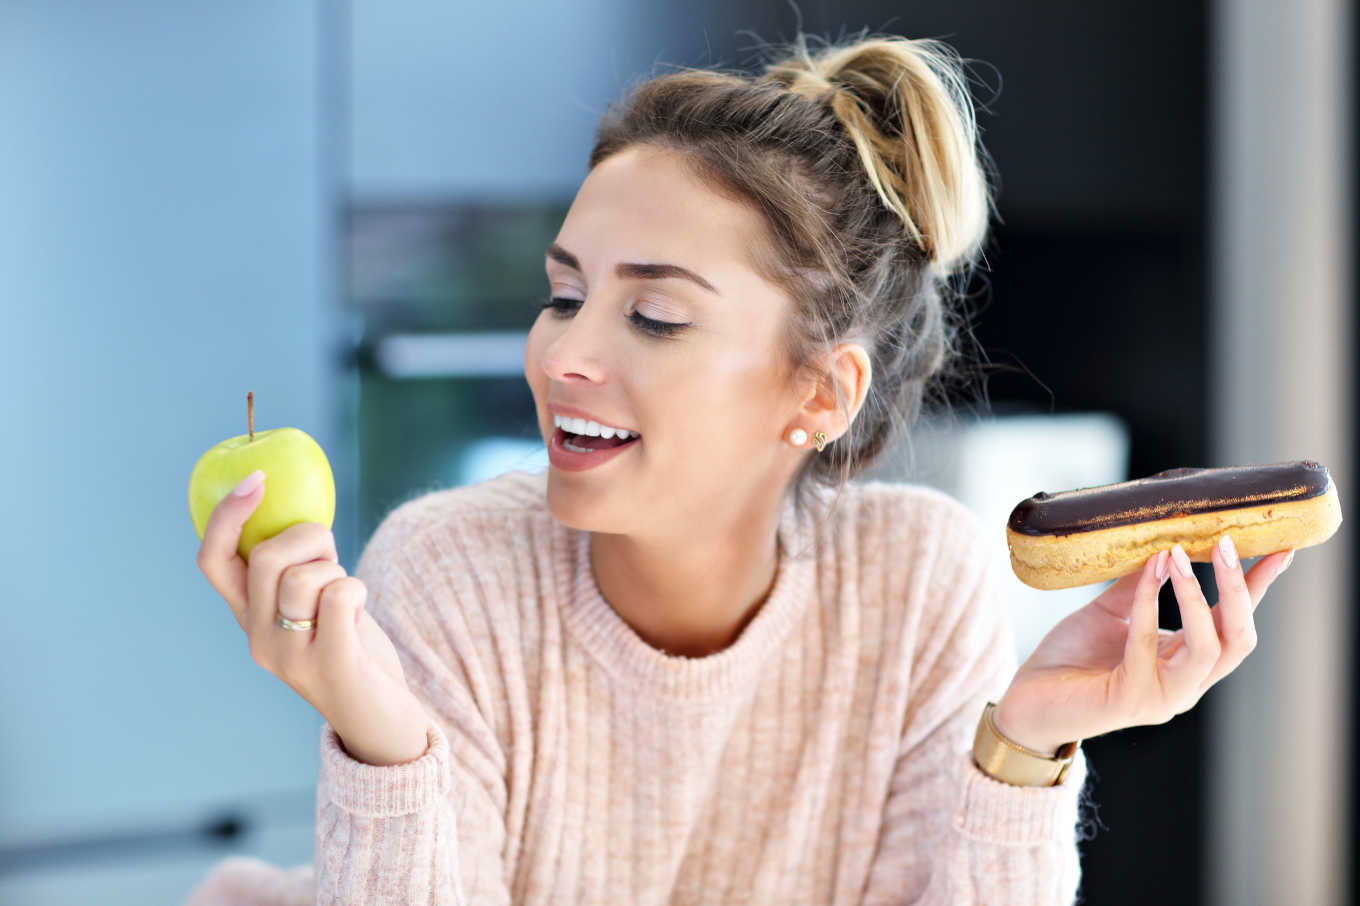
[567, 459]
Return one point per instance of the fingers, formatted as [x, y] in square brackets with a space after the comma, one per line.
[1140, 648]
[336, 634]
[301, 585]
[1191, 664]
[217, 556]
[1238, 597]
[295, 545]
[300, 588]
[321, 663]
[1233, 613]
[1213, 642]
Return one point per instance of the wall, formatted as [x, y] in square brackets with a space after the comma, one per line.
[165, 246]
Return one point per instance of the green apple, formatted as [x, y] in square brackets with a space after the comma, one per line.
[298, 487]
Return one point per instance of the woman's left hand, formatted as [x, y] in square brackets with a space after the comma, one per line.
[1108, 666]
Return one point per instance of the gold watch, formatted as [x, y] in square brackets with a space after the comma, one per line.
[1015, 764]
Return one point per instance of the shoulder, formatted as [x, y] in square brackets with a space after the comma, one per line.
[933, 558]
[915, 519]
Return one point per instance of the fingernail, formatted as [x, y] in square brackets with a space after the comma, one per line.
[1182, 562]
[1225, 547]
[1287, 560]
[249, 483]
[1163, 567]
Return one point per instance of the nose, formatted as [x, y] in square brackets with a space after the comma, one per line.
[573, 351]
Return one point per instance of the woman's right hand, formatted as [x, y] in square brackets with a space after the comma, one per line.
[346, 667]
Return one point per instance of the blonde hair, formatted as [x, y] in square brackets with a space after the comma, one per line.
[864, 163]
[933, 177]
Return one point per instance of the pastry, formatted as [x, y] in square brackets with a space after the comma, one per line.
[1093, 534]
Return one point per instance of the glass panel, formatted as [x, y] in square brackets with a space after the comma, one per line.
[444, 276]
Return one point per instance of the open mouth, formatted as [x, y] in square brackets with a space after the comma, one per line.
[585, 443]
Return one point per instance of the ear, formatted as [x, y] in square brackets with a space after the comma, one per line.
[850, 364]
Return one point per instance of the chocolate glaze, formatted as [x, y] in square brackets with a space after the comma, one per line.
[1175, 492]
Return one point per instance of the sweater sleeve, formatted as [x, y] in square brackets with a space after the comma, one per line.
[428, 831]
[953, 835]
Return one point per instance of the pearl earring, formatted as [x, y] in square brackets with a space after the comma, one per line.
[798, 437]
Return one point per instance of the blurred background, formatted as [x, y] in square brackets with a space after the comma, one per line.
[343, 207]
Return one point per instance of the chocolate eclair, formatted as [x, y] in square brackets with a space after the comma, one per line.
[1090, 535]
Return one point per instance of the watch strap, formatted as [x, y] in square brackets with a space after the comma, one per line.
[1012, 763]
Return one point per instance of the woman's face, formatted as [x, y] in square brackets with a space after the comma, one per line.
[709, 398]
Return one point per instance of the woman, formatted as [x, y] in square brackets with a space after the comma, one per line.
[692, 662]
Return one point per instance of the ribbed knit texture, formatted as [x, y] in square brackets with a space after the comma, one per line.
[822, 758]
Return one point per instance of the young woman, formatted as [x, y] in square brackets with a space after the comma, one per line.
[692, 662]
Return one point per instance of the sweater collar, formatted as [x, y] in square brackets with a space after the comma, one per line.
[640, 668]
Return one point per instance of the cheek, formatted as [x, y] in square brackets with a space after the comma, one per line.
[739, 379]
[725, 403]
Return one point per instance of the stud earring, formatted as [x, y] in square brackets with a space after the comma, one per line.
[798, 437]
[820, 440]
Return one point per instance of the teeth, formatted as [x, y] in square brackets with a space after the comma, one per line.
[594, 429]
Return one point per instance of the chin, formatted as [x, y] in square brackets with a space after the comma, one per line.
[571, 506]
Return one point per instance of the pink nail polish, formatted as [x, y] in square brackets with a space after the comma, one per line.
[1182, 561]
[1287, 560]
[1229, 552]
[1163, 569]
[249, 484]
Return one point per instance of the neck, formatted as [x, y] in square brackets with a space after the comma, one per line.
[690, 597]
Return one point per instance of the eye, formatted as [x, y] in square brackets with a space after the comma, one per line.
[563, 306]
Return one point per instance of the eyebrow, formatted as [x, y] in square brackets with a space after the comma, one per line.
[636, 271]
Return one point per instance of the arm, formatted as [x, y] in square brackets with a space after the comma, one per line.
[952, 834]
[430, 830]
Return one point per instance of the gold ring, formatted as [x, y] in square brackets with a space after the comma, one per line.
[299, 625]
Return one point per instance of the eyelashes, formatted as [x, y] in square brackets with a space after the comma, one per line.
[562, 307]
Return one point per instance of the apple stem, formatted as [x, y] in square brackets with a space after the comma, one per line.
[250, 412]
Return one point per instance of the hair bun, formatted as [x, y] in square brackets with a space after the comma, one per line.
[905, 105]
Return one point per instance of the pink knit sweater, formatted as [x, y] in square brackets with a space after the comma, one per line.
[822, 758]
